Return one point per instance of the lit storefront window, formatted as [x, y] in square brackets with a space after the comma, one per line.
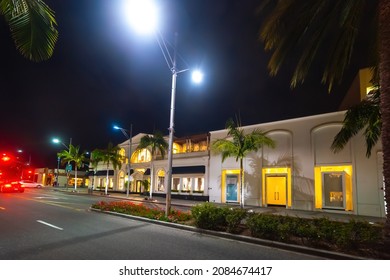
[186, 186]
[199, 185]
[333, 187]
[175, 184]
[160, 181]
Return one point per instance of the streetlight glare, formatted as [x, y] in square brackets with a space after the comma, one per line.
[116, 127]
[142, 15]
[197, 76]
[56, 140]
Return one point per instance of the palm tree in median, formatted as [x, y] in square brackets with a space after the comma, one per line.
[239, 145]
[305, 28]
[73, 155]
[108, 156]
[156, 143]
[33, 27]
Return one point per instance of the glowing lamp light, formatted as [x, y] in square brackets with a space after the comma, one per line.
[142, 15]
[197, 77]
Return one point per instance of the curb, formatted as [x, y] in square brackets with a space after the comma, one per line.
[247, 239]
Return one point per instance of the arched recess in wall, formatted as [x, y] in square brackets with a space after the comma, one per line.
[121, 180]
[333, 172]
[276, 170]
[140, 156]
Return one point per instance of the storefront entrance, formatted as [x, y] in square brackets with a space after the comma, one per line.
[276, 189]
[231, 188]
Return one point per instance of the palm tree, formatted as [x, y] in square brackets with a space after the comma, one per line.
[108, 156]
[73, 155]
[308, 27]
[156, 143]
[33, 27]
[240, 146]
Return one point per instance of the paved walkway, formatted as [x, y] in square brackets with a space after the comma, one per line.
[333, 215]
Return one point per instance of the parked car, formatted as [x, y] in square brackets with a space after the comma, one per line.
[11, 186]
[30, 184]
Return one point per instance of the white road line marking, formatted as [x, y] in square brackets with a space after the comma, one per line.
[50, 225]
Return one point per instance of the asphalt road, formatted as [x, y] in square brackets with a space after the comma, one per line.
[47, 225]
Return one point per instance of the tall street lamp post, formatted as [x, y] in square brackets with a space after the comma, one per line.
[142, 15]
[129, 138]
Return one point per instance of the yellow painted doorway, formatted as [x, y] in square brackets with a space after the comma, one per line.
[276, 188]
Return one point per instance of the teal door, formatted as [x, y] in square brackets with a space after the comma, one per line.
[231, 188]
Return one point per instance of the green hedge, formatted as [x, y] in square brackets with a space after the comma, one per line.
[320, 232]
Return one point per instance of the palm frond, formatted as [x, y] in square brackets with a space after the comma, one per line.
[72, 155]
[239, 144]
[33, 27]
[298, 28]
[155, 143]
[224, 147]
[364, 115]
[109, 155]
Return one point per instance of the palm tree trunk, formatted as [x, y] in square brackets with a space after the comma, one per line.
[151, 179]
[384, 72]
[75, 177]
[106, 189]
[241, 183]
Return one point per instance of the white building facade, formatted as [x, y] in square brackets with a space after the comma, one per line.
[302, 172]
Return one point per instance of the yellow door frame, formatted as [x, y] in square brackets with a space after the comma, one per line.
[276, 171]
[223, 182]
[319, 170]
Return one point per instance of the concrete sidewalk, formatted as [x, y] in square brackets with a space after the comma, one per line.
[332, 215]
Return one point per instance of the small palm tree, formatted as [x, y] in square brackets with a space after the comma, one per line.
[156, 143]
[73, 155]
[108, 156]
[239, 146]
[33, 27]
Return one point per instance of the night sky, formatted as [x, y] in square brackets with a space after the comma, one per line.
[102, 73]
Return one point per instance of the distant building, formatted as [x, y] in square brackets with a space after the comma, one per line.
[48, 177]
[189, 172]
[359, 89]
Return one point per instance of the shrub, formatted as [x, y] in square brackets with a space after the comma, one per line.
[263, 226]
[209, 216]
[327, 230]
[356, 234]
[234, 218]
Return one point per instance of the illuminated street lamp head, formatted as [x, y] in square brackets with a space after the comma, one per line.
[197, 76]
[142, 15]
[56, 140]
[116, 127]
